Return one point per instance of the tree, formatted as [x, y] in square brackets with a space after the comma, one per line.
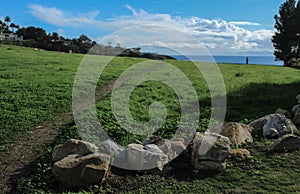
[84, 39]
[7, 19]
[297, 30]
[13, 26]
[33, 33]
[5, 28]
[1, 26]
[55, 36]
[286, 38]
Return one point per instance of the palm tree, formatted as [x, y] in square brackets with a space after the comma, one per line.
[4, 27]
[13, 26]
[55, 36]
[7, 19]
[17, 27]
[84, 39]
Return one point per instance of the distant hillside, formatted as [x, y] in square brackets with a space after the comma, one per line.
[135, 52]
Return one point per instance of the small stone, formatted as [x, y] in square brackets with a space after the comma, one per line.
[196, 171]
[239, 153]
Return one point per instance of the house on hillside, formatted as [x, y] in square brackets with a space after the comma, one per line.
[10, 36]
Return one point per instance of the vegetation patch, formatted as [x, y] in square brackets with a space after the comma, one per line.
[37, 86]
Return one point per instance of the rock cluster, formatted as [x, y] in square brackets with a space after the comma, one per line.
[80, 163]
[280, 126]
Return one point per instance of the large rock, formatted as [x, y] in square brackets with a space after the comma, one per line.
[287, 143]
[296, 118]
[139, 157]
[286, 113]
[172, 148]
[290, 126]
[298, 98]
[294, 108]
[272, 126]
[74, 170]
[296, 111]
[110, 148]
[238, 133]
[73, 146]
[210, 151]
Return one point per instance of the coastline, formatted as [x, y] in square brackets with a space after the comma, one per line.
[253, 60]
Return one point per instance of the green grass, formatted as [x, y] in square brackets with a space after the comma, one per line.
[37, 86]
[34, 86]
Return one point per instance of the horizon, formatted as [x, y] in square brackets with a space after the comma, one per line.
[230, 28]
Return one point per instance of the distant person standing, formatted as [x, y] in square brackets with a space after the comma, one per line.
[247, 60]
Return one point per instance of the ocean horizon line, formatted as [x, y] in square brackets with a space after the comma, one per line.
[231, 59]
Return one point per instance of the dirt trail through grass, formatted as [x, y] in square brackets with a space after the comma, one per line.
[17, 161]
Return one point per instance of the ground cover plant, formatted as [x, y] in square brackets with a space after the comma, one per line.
[37, 86]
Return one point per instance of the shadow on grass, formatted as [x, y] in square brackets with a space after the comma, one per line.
[256, 100]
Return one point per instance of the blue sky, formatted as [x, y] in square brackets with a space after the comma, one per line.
[228, 27]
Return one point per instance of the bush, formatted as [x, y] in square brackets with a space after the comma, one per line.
[295, 63]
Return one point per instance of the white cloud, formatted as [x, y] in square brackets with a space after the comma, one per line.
[244, 23]
[132, 10]
[219, 36]
[57, 17]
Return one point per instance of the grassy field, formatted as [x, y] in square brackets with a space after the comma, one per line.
[37, 86]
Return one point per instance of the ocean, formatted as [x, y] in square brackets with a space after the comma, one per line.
[255, 60]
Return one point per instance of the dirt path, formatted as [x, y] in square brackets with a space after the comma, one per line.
[16, 163]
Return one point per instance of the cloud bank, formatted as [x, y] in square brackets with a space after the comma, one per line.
[218, 36]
